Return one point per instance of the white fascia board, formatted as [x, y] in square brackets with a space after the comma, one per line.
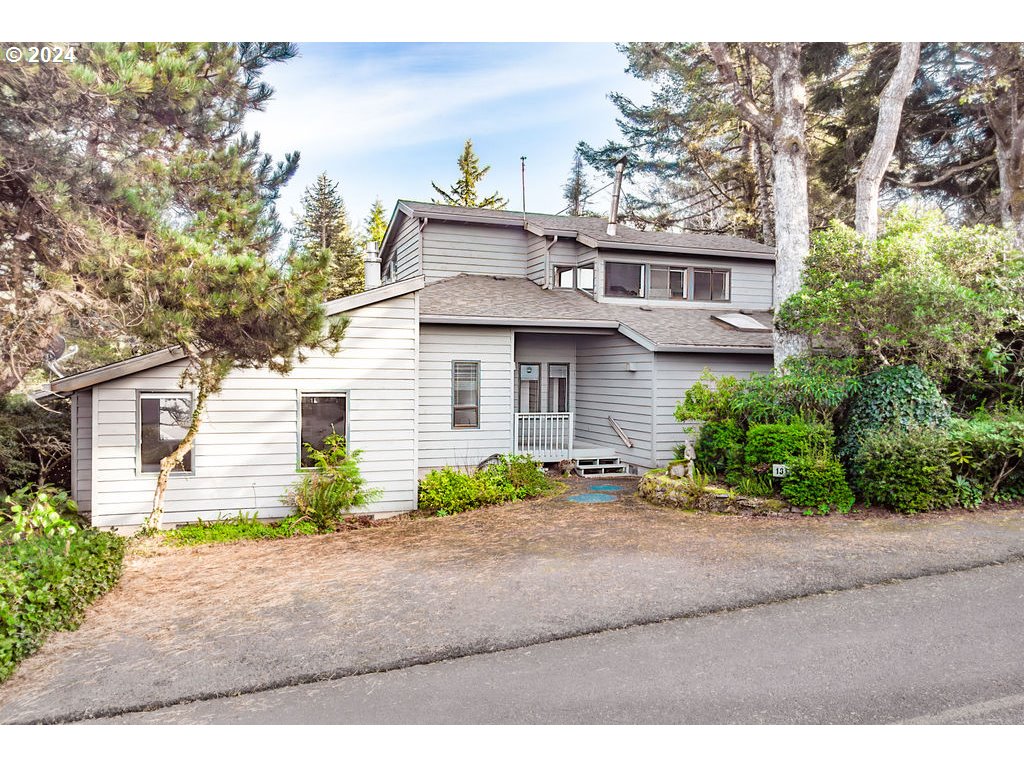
[383, 293]
[639, 338]
[127, 367]
[714, 350]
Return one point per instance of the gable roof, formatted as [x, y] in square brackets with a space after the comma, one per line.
[592, 231]
[478, 299]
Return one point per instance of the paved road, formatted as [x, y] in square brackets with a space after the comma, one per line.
[934, 649]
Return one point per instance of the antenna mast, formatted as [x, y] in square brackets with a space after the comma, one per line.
[522, 163]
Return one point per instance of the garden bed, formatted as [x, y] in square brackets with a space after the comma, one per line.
[661, 488]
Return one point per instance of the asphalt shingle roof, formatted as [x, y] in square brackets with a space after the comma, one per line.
[515, 299]
[595, 228]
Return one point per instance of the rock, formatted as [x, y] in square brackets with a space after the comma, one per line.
[663, 488]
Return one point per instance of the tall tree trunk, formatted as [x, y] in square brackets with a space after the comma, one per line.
[789, 164]
[764, 192]
[168, 463]
[1010, 161]
[890, 111]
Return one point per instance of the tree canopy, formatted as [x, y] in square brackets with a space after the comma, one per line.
[323, 228]
[464, 190]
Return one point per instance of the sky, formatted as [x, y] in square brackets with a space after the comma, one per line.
[386, 119]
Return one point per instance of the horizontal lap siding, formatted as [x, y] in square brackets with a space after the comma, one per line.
[604, 387]
[81, 450]
[407, 250]
[676, 373]
[439, 444]
[536, 258]
[454, 249]
[246, 450]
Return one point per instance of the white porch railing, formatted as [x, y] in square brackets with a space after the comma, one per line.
[545, 436]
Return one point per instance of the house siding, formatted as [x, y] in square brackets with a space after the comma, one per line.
[81, 450]
[451, 249]
[246, 452]
[407, 250]
[676, 373]
[605, 387]
[439, 444]
[537, 258]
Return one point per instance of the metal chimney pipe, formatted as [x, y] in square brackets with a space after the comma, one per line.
[371, 262]
[613, 214]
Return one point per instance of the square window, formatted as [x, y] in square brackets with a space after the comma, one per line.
[585, 278]
[564, 277]
[164, 419]
[623, 279]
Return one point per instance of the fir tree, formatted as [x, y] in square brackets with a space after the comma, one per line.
[464, 191]
[376, 223]
[577, 189]
[324, 227]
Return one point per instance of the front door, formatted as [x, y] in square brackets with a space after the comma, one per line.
[529, 388]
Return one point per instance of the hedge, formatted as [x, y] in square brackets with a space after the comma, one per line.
[45, 585]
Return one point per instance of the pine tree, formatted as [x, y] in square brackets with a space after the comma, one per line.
[464, 191]
[376, 223]
[325, 227]
[577, 189]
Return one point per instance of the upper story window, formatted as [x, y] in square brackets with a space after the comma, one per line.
[585, 278]
[661, 282]
[563, 276]
[667, 283]
[623, 279]
[710, 284]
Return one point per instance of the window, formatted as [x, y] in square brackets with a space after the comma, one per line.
[711, 285]
[623, 279]
[465, 395]
[563, 277]
[164, 418]
[585, 278]
[529, 387]
[320, 415]
[667, 283]
[558, 387]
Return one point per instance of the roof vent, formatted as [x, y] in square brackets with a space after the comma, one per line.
[742, 322]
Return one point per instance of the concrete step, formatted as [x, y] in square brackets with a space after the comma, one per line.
[603, 470]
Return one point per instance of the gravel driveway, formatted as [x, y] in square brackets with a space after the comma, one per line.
[196, 623]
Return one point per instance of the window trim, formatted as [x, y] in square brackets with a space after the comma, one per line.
[299, 394]
[570, 268]
[670, 269]
[728, 283]
[518, 400]
[141, 394]
[479, 388]
[644, 270]
[568, 385]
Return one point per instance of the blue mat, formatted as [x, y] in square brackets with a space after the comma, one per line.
[591, 498]
[606, 487]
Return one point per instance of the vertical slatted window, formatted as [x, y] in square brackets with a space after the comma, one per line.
[711, 284]
[558, 387]
[667, 283]
[465, 394]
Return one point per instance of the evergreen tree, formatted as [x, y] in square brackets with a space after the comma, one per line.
[144, 208]
[464, 191]
[324, 227]
[376, 223]
[577, 189]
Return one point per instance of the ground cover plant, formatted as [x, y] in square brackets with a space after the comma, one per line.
[447, 491]
[240, 527]
[51, 568]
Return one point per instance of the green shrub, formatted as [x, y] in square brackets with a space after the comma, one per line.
[37, 511]
[333, 487]
[989, 453]
[710, 398]
[754, 486]
[35, 444]
[447, 491]
[897, 398]
[907, 471]
[719, 446]
[778, 443]
[45, 585]
[817, 481]
[968, 493]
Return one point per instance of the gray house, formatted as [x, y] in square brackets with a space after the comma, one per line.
[481, 332]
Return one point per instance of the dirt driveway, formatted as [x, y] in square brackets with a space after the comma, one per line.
[213, 620]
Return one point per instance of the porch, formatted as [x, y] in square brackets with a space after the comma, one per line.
[550, 437]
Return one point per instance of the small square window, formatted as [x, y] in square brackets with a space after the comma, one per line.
[564, 277]
[585, 278]
[711, 285]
